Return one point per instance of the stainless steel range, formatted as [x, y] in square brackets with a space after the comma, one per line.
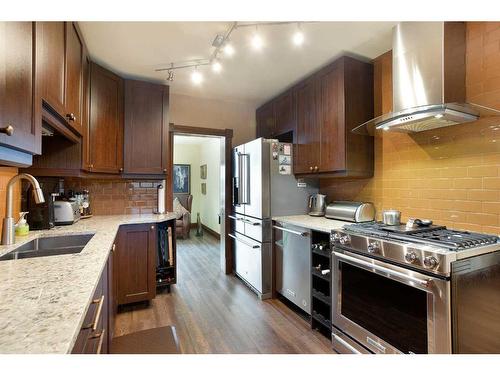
[415, 289]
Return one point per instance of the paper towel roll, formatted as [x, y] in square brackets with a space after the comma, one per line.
[160, 206]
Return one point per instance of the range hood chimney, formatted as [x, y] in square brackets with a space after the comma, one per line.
[428, 80]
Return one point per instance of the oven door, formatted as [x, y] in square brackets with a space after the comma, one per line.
[390, 309]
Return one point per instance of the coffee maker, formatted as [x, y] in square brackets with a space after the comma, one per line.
[40, 216]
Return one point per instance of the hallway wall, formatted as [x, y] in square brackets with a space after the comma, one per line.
[207, 151]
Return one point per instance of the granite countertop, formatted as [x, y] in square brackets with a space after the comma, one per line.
[320, 224]
[43, 301]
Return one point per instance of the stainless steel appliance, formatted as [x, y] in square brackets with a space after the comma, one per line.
[351, 211]
[415, 290]
[391, 217]
[293, 264]
[66, 212]
[317, 203]
[263, 186]
[428, 75]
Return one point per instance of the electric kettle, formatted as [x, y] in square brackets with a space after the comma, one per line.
[317, 204]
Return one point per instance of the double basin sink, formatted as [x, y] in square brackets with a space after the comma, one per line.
[47, 246]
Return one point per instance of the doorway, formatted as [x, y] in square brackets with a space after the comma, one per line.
[198, 177]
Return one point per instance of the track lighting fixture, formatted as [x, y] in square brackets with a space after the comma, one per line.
[216, 66]
[223, 47]
[298, 36]
[257, 42]
[196, 76]
[229, 49]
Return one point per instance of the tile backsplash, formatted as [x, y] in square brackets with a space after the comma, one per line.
[117, 197]
[452, 174]
[111, 197]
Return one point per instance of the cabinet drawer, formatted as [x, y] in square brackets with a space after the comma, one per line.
[248, 261]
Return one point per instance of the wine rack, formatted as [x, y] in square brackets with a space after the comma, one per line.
[321, 297]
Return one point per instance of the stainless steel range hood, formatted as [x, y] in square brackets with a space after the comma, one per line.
[428, 80]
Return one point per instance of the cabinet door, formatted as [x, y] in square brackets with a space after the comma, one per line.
[73, 102]
[332, 137]
[50, 55]
[284, 113]
[307, 145]
[136, 263]
[106, 121]
[86, 113]
[265, 121]
[17, 86]
[146, 128]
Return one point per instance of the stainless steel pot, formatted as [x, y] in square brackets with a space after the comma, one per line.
[391, 217]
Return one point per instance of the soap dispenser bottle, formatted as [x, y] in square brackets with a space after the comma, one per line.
[22, 227]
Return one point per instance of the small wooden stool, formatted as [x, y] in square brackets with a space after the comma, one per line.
[161, 340]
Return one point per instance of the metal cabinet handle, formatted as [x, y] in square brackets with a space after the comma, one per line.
[346, 344]
[71, 117]
[303, 234]
[9, 130]
[113, 248]
[99, 336]
[316, 168]
[254, 223]
[120, 170]
[311, 169]
[243, 242]
[368, 265]
[97, 315]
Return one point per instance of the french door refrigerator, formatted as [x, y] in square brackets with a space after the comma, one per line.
[263, 187]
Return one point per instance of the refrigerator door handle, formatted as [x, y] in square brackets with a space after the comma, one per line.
[244, 172]
[236, 192]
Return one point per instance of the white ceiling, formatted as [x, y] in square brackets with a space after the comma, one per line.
[136, 49]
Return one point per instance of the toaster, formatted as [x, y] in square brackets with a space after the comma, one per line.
[356, 212]
[66, 213]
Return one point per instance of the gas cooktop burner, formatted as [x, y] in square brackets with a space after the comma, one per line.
[432, 235]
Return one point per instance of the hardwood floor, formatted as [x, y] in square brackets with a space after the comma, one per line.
[216, 313]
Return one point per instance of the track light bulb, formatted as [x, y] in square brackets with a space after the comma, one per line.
[216, 67]
[197, 77]
[229, 49]
[298, 38]
[257, 42]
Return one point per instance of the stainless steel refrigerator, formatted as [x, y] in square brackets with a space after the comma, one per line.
[263, 187]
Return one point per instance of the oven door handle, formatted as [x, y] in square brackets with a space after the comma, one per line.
[365, 264]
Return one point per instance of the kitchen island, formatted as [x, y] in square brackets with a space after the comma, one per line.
[43, 301]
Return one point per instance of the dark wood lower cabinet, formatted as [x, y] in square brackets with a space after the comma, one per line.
[94, 336]
[135, 263]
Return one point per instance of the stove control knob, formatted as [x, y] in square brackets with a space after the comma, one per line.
[345, 239]
[373, 247]
[411, 257]
[431, 262]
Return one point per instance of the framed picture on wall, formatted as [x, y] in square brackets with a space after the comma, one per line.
[182, 178]
[203, 188]
[203, 172]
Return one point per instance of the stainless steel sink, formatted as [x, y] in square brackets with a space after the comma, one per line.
[47, 246]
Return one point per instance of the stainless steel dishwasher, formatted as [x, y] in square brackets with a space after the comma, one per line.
[293, 264]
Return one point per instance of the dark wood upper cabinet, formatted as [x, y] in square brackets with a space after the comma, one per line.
[265, 122]
[135, 262]
[73, 98]
[307, 150]
[146, 128]
[284, 114]
[331, 121]
[17, 87]
[322, 112]
[50, 55]
[105, 132]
